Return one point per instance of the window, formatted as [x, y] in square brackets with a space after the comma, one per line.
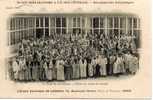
[46, 21]
[41, 22]
[63, 22]
[11, 24]
[83, 23]
[52, 25]
[21, 23]
[130, 23]
[116, 22]
[52, 22]
[37, 22]
[77, 25]
[96, 22]
[16, 24]
[58, 22]
[61, 25]
[12, 37]
[137, 38]
[78, 22]
[122, 23]
[102, 23]
[17, 37]
[29, 22]
[24, 21]
[31, 33]
[74, 22]
[22, 28]
[110, 22]
[98, 25]
[135, 23]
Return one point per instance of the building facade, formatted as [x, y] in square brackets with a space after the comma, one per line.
[24, 26]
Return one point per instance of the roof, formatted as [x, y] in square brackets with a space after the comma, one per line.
[74, 14]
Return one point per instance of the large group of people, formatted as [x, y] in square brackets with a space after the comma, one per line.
[74, 56]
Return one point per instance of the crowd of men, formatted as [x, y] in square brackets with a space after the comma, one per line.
[75, 56]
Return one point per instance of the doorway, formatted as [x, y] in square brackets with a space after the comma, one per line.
[39, 33]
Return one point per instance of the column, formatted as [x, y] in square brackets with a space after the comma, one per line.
[113, 25]
[138, 23]
[86, 27]
[55, 25]
[15, 29]
[49, 25]
[119, 28]
[67, 25]
[35, 27]
[92, 25]
[43, 26]
[132, 26]
[81, 27]
[10, 29]
[28, 27]
[61, 28]
[99, 25]
[126, 25]
[106, 25]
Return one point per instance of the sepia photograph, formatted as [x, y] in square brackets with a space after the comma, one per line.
[63, 46]
[75, 49]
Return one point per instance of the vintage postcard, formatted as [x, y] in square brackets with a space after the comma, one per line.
[66, 49]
